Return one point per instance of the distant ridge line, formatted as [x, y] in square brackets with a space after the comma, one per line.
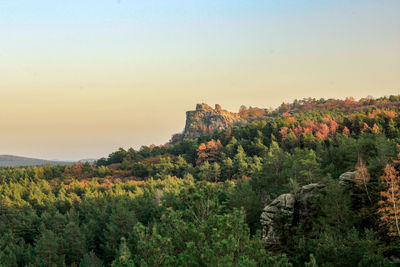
[20, 161]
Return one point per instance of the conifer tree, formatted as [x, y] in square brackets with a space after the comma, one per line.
[47, 250]
[124, 256]
[121, 222]
[239, 162]
[227, 169]
[90, 260]
[74, 243]
[10, 251]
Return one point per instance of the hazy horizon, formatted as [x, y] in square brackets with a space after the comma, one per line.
[79, 79]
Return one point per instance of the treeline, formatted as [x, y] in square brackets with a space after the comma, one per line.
[332, 141]
[198, 202]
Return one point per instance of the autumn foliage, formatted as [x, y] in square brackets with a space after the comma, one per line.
[198, 202]
[208, 152]
[390, 203]
[362, 177]
[321, 130]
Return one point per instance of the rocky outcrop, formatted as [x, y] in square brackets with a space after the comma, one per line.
[206, 119]
[282, 206]
[347, 180]
[287, 211]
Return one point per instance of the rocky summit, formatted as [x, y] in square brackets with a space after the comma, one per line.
[205, 119]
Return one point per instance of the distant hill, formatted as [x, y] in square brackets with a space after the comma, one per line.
[91, 161]
[16, 161]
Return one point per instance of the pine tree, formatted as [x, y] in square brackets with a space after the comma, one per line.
[90, 260]
[216, 172]
[74, 243]
[47, 250]
[205, 171]
[121, 222]
[124, 256]
[10, 251]
[312, 262]
[240, 163]
[227, 169]
[305, 167]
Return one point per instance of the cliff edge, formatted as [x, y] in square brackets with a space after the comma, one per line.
[205, 119]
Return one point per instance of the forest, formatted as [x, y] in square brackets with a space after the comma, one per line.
[198, 202]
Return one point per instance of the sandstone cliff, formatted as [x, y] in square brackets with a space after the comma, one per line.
[291, 209]
[288, 210]
[206, 119]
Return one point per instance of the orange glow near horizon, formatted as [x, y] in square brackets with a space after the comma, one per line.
[72, 89]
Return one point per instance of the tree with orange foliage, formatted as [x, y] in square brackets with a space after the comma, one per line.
[284, 132]
[346, 131]
[349, 101]
[362, 176]
[208, 152]
[201, 154]
[323, 131]
[389, 206]
[228, 133]
[365, 127]
[390, 114]
[333, 126]
[243, 112]
[375, 128]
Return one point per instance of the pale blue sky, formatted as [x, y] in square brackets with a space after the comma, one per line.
[78, 78]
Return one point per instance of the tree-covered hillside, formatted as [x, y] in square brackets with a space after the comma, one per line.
[198, 202]
[16, 161]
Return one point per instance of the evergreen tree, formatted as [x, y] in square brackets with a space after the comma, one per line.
[124, 256]
[47, 248]
[121, 222]
[74, 244]
[90, 260]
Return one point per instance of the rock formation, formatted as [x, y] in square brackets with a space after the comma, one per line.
[347, 180]
[205, 119]
[291, 209]
[288, 210]
[281, 206]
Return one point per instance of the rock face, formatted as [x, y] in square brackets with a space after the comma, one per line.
[205, 119]
[288, 210]
[281, 206]
[347, 180]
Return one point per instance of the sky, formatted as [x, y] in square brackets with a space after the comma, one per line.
[79, 79]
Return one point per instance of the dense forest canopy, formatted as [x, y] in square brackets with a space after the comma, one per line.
[198, 202]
